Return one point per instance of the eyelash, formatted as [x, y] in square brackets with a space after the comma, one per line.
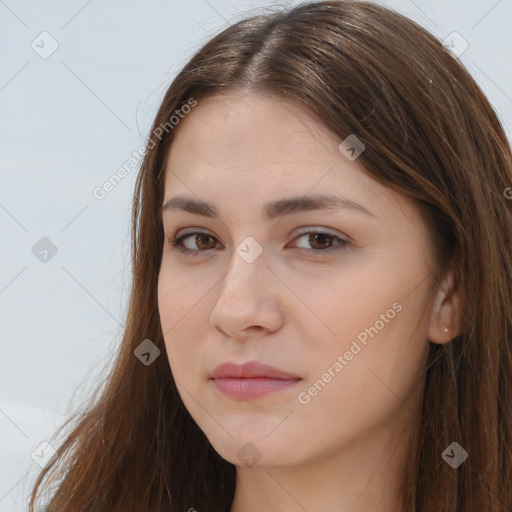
[176, 243]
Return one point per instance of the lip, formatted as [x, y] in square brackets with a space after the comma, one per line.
[250, 370]
[251, 380]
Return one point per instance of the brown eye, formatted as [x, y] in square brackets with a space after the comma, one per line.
[202, 239]
[321, 242]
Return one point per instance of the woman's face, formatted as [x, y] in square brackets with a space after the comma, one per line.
[336, 299]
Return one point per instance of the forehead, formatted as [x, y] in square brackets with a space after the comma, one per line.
[259, 147]
[251, 129]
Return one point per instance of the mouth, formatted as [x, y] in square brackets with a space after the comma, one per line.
[251, 380]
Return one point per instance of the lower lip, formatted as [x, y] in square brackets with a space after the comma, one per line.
[256, 387]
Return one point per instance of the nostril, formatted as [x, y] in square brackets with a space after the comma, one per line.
[255, 328]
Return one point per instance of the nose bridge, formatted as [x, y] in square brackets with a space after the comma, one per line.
[246, 271]
[246, 297]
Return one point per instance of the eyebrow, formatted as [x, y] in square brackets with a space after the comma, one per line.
[271, 209]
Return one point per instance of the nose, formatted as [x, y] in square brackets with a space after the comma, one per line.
[249, 301]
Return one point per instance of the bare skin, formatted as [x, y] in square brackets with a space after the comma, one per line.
[339, 446]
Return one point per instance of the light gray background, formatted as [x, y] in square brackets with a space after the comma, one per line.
[68, 122]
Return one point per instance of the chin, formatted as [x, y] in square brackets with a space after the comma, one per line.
[258, 450]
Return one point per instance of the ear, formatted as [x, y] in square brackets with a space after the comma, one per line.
[445, 315]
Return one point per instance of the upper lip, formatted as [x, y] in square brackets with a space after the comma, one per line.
[251, 369]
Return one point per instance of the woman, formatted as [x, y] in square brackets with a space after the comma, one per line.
[320, 315]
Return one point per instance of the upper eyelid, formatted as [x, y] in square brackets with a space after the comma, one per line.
[302, 232]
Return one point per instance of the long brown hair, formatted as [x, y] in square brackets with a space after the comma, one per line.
[430, 133]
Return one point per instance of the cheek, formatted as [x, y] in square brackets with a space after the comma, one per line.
[380, 334]
[178, 294]
[374, 384]
[173, 308]
[182, 306]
